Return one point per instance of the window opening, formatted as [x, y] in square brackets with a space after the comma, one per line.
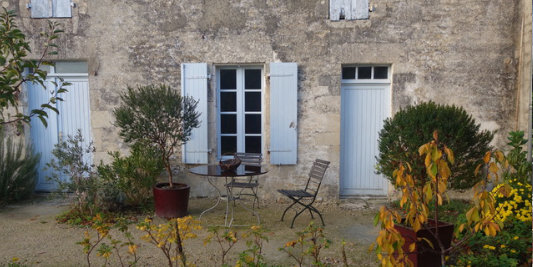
[365, 73]
[240, 110]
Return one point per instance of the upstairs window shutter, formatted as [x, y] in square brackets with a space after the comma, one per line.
[283, 113]
[51, 9]
[348, 9]
[62, 9]
[41, 8]
[360, 10]
[194, 83]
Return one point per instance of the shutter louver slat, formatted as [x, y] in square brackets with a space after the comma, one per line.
[283, 113]
[194, 83]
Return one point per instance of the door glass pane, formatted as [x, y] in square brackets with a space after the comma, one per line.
[228, 79]
[228, 123]
[252, 123]
[71, 67]
[252, 101]
[348, 73]
[252, 144]
[228, 101]
[364, 72]
[381, 73]
[228, 144]
[252, 79]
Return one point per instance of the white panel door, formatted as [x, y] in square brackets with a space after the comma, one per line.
[363, 109]
[73, 115]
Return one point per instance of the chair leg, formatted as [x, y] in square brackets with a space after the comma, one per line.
[317, 212]
[290, 206]
[310, 212]
[256, 199]
[297, 214]
[230, 195]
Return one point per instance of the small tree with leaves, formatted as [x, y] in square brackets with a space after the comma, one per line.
[13, 66]
[415, 202]
[159, 115]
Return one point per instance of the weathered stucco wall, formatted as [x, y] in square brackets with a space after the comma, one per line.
[448, 51]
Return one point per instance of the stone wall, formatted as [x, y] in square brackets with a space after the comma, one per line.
[449, 51]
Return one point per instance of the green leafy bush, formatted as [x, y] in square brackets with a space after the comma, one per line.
[17, 170]
[511, 247]
[74, 174]
[517, 157]
[133, 176]
[412, 127]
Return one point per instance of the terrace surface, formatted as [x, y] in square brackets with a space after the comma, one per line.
[30, 233]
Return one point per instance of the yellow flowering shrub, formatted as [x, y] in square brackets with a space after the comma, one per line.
[517, 204]
[169, 236]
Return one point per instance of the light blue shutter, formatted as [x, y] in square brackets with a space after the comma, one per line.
[41, 8]
[194, 83]
[349, 9]
[335, 9]
[62, 9]
[283, 113]
[360, 9]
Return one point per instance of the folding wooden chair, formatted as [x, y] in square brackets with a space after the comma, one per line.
[243, 183]
[307, 197]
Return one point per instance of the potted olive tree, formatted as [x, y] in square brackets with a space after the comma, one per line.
[165, 119]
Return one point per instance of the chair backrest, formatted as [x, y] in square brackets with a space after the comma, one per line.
[250, 159]
[316, 175]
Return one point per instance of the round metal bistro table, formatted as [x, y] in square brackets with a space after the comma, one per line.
[214, 172]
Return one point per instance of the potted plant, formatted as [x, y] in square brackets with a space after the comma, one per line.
[414, 236]
[164, 118]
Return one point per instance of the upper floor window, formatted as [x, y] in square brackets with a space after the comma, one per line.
[50, 8]
[348, 9]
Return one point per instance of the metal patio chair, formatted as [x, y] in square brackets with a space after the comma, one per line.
[246, 183]
[307, 197]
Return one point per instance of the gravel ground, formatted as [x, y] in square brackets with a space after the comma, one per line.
[30, 233]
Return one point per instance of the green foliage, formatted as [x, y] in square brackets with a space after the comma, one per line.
[17, 170]
[15, 262]
[133, 176]
[412, 127]
[511, 247]
[517, 157]
[73, 173]
[13, 52]
[158, 115]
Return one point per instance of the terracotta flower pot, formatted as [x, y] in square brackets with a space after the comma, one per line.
[424, 255]
[171, 202]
